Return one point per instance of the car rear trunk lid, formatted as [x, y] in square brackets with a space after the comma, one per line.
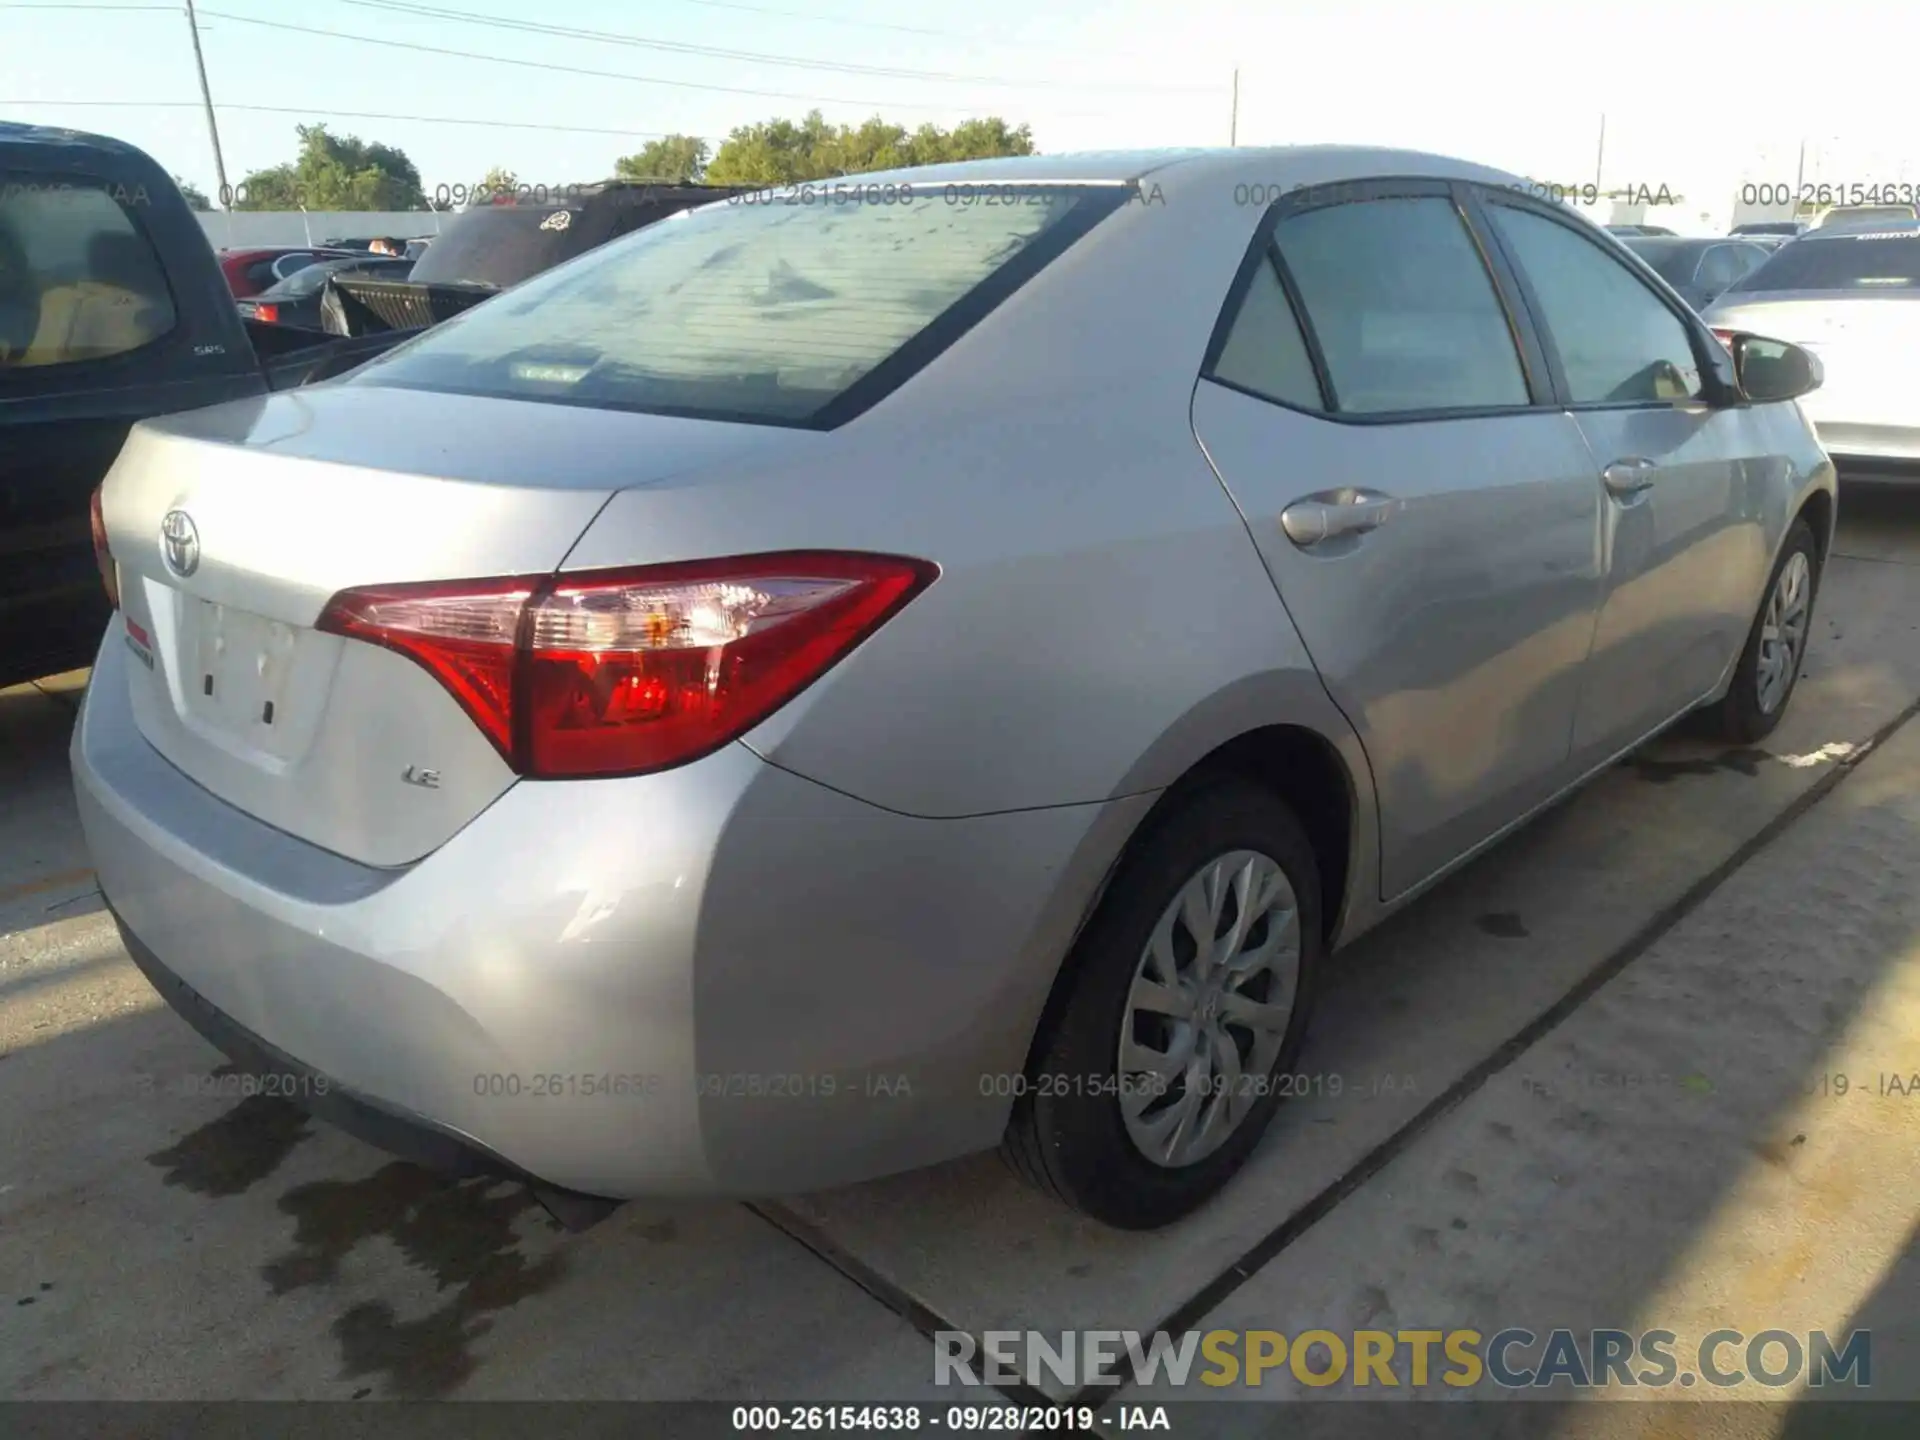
[232, 528]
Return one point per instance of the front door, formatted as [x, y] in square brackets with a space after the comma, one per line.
[1685, 481]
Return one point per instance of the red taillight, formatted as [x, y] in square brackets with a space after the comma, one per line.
[626, 671]
[267, 314]
[102, 556]
[1725, 337]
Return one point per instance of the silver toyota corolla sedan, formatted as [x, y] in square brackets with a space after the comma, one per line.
[850, 677]
[1852, 298]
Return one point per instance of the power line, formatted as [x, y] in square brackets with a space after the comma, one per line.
[676, 47]
[985, 40]
[605, 74]
[326, 114]
[988, 41]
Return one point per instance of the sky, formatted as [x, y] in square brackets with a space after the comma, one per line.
[1695, 98]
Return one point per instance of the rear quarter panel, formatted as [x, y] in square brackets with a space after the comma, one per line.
[1102, 619]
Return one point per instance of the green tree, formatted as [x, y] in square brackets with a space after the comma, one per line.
[196, 198]
[781, 152]
[681, 159]
[335, 172]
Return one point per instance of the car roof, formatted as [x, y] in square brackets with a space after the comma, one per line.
[13, 132]
[1867, 230]
[1121, 166]
[1661, 244]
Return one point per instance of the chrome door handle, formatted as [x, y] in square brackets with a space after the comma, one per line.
[1627, 478]
[1334, 513]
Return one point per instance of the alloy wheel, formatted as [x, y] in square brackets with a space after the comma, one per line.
[1783, 632]
[1208, 1011]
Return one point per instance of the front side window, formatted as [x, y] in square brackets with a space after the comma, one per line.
[1403, 308]
[766, 312]
[78, 279]
[1618, 343]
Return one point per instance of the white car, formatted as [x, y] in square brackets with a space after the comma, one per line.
[1852, 298]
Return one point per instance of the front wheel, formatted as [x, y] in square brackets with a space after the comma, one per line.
[1769, 667]
[1188, 996]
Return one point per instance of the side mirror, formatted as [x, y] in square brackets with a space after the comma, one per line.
[1773, 370]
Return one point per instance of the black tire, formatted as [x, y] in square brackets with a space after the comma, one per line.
[1739, 718]
[1067, 1135]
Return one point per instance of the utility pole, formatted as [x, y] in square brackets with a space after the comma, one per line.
[1799, 174]
[1233, 124]
[1600, 160]
[206, 98]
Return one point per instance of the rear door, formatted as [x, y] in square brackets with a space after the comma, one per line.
[1686, 476]
[1427, 514]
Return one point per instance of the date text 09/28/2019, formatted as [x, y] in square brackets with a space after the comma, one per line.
[951, 1419]
[707, 1085]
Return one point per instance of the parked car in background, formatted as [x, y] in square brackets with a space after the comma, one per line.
[751, 683]
[296, 300]
[1851, 297]
[1867, 215]
[1626, 230]
[489, 248]
[1782, 229]
[249, 272]
[113, 308]
[1698, 269]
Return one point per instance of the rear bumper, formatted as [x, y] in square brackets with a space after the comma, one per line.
[718, 980]
[411, 1136]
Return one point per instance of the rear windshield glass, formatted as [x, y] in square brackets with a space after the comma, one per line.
[1857, 262]
[309, 279]
[502, 245]
[1869, 215]
[755, 309]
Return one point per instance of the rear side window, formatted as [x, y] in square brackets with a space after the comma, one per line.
[1678, 265]
[1619, 344]
[1402, 306]
[1724, 264]
[1265, 353]
[78, 279]
[1853, 262]
[764, 312]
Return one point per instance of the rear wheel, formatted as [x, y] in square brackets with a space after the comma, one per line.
[1769, 667]
[1189, 993]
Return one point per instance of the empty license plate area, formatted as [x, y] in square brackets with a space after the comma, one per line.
[238, 670]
